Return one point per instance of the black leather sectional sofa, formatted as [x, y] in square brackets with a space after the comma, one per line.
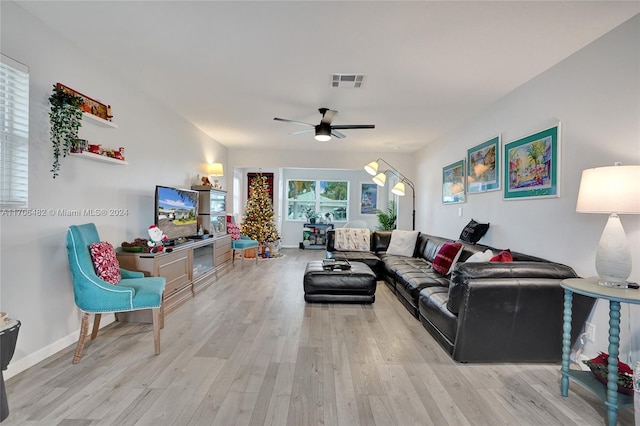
[481, 312]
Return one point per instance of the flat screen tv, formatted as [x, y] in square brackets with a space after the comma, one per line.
[176, 212]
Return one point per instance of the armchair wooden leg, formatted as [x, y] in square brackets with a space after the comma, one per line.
[156, 329]
[84, 329]
[162, 312]
[96, 325]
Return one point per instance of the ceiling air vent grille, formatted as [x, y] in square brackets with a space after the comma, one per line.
[348, 81]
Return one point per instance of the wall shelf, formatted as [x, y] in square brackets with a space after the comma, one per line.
[96, 157]
[97, 120]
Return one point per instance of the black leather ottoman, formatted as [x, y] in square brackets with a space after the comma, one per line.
[356, 285]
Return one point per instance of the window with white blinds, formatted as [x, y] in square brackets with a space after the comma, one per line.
[14, 134]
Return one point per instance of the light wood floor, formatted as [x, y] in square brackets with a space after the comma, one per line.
[249, 351]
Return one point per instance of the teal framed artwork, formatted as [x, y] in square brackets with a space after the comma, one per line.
[453, 183]
[532, 166]
[483, 167]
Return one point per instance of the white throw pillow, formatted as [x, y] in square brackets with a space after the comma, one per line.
[403, 243]
[480, 257]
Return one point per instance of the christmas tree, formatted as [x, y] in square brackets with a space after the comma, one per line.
[258, 221]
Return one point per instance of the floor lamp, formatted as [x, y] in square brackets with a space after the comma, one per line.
[398, 189]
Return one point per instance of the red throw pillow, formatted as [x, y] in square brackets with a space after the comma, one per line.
[447, 257]
[233, 230]
[105, 262]
[503, 256]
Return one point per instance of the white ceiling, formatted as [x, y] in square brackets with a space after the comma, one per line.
[231, 67]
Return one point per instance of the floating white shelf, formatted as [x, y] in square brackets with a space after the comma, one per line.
[97, 157]
[97, 120]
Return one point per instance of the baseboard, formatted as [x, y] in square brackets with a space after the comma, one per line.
[18, 366]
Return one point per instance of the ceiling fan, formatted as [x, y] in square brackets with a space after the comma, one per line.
[325, 129]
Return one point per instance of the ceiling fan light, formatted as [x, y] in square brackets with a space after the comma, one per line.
[398, 189]
[372, 168]
[380, 179]
[323, 133]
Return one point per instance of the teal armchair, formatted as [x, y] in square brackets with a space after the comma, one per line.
[243, 244]
[94, 296]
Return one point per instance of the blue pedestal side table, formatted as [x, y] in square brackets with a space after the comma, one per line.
[590, 287]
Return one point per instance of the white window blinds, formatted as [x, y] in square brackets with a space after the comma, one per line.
[14, 134]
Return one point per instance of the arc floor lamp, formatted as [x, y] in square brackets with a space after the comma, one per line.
[399, 188]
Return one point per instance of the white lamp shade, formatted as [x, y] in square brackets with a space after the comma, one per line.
[215, 169]
[380, 179]
[614, 189]
[372, 168]
[398, 189]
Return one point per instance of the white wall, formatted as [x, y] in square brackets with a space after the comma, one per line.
[161, 148]
[595, 94]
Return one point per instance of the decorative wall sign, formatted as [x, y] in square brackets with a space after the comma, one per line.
[89, 105]
[368, 198]
[532, 166]
[251, 177]
[453, 183]
[483, 167]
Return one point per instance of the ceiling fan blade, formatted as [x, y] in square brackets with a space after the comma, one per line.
[354, 126]
[327, 115]
[294, 121]
[302, 131]
[337, 134]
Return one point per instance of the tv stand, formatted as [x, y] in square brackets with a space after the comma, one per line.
[189, 268]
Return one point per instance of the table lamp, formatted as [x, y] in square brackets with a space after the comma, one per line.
[215, 170]
[613, 190]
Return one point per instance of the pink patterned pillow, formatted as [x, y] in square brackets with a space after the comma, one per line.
[233, 230]
[105, 262]
[447, 257]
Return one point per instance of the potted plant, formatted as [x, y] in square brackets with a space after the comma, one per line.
[312, 215]
[65, 117]
[387, 220]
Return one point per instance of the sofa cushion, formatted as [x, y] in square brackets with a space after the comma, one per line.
[474, 231]
[447, 257]
[105, 262]
[503, 256]
[403, 243]
[484, 256]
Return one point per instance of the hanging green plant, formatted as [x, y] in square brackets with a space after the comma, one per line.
[65, 117]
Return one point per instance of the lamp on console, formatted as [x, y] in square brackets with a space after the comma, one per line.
[215, 170]
[399, 188]
[613, 190]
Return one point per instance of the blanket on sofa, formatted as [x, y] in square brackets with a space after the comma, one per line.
[353, 239]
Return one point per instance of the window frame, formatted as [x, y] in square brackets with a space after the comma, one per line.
[317, 202]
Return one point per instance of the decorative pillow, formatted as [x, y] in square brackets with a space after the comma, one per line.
[503, 256]
[105, 262]
[352, 239]
[480, 256]
[233, 230]
[403, 243]
[447, 257]
[474, 231]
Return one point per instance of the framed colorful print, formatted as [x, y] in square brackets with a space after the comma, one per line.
[368, 198]
[453, 188]
[532, 166]
[483, 167]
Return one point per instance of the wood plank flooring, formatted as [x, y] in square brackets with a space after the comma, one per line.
[249, 351]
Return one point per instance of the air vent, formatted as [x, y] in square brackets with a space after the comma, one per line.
[347, 81]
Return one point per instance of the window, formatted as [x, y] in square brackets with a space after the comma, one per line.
[322, 196]
[14, 134]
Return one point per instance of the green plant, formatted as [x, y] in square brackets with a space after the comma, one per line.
[387, 219]
[312, 214]
[65, 117]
